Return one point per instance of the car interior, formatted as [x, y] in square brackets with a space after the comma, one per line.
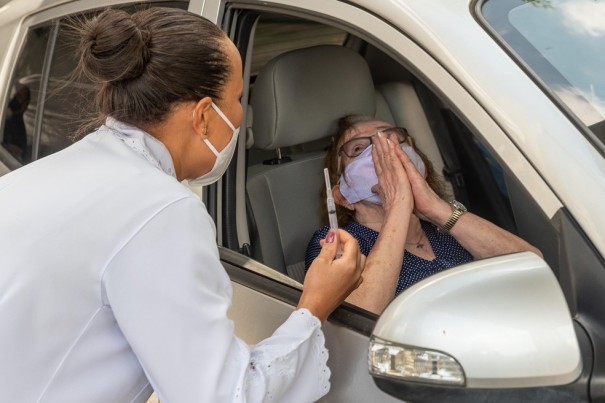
[296, 97]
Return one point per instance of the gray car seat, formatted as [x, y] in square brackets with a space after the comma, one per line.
[296, 100]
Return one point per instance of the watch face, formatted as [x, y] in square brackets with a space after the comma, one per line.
[459, 206]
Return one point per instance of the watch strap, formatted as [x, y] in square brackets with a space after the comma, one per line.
[456, 214]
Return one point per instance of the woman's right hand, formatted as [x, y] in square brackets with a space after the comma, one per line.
[329, 281]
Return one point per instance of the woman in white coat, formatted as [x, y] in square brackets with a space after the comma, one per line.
[110, 279]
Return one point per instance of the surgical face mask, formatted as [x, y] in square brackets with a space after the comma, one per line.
[222, 158]
[359, 176]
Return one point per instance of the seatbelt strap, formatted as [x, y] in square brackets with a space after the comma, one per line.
[241, 211]
[452, 168]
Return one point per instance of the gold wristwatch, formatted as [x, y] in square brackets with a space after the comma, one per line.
[457, 210]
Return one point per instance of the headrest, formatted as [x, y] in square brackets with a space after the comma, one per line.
[300, 95]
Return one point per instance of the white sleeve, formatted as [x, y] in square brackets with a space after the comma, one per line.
[170, 294]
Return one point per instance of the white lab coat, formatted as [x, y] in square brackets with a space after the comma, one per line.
[111, 285]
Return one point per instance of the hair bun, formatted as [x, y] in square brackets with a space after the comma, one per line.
[113, 47]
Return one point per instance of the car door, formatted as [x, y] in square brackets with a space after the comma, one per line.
[450, 99]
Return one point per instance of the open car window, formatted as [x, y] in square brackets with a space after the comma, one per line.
[284, 178]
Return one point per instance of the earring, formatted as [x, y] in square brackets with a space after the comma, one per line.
[206, 131]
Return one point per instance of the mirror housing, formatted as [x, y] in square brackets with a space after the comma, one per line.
[498, 323]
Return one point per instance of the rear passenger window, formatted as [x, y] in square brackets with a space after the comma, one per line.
[48, 103]
[22, 104]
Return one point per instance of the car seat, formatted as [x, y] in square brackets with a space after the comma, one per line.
[397, 102]
[297, 99]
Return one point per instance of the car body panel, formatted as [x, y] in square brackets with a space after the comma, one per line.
[347, 347]
[263, 297]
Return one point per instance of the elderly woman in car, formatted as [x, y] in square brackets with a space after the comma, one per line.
[390, 199]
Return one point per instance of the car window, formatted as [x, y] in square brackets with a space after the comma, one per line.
[18, 132]
[283, 184]
[562, 42]
[49, 104]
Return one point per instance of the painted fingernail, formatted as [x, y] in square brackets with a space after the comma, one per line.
[330, 237]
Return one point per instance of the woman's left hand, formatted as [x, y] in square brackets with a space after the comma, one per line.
[478, 236]
[427, 204]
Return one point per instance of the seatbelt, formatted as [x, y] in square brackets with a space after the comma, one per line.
[452, 169]
[241, 196]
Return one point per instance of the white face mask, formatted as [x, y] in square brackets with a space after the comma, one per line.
[222, 158]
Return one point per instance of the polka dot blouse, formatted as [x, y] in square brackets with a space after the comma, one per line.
[448, 252]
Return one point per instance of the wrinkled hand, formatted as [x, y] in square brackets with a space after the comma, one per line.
[393, 186]
[329, 281]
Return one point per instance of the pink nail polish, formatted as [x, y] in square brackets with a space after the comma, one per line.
[330, 237]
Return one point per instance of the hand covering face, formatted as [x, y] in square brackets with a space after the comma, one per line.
[359, 176]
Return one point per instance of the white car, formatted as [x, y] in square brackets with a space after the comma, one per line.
[507, 97]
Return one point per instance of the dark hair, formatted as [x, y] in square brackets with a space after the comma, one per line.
[335, 166]
[146, 62]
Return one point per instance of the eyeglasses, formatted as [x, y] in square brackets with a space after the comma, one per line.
[356, 146]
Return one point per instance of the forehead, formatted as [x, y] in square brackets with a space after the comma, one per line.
[365, 129]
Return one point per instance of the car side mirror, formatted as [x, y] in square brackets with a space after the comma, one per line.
[486, 326]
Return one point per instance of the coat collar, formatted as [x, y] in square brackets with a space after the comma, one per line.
[143, 143]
